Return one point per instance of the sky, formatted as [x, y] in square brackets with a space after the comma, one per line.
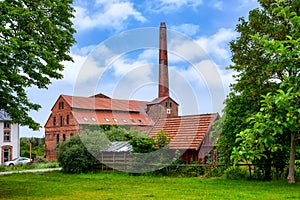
[116, 53]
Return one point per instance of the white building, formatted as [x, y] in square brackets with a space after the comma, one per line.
[9, 138]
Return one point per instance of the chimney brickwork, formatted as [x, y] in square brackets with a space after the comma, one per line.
[163, 88]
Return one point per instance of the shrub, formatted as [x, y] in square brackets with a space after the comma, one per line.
[236, 173]
[73, 156]
[214, 171]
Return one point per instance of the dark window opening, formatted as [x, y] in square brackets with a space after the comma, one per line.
[71, 134]
[141, 122]
[61, 105]
[57, 138]
[6, 155]
[68, 119]
[6, 137]
[54, 121]
[170, 104]
[132, 120]
[6, 125]
[61, 120]
[166, 104]
[64, 137]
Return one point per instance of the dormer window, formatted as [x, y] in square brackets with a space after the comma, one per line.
[106, 119]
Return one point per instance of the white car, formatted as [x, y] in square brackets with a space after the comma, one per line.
[17, 161]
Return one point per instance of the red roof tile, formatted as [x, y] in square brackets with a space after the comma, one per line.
[118, 118]
[92, 103]
[187, 132]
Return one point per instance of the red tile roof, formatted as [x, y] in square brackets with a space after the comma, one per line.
[92, 103]
[118, 118]
[187, 132]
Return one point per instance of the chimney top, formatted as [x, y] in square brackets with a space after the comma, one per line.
[163, 25]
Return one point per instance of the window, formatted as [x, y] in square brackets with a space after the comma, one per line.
[61, 121]
[166, 104]
[132, 120]
[6, 125]
[6, 155]
[107, 120]
[170, 104]
[140, 121]
[64, 137]
[124, 120]
[85, 119]
[54, 121]
[6, 137]
[61, 105]
[68, 119]
[57, 138]
[115, 119]
[94, 119]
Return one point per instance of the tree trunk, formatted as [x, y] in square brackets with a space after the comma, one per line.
[291, 176]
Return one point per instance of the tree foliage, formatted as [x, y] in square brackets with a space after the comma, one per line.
[38, 147]
[266, 52]
[35, 37]
[144, 144]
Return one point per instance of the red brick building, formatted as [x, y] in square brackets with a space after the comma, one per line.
[70, 113]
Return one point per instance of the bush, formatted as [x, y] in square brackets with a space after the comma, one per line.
[73, 156]
[236, 173]
[214, 171]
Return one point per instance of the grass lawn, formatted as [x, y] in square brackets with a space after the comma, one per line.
[56, 185]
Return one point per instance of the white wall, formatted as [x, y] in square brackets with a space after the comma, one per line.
[14, 140]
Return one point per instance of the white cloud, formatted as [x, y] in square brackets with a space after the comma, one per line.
[84, 68]
[217, 44]
[106, 14]
[170, 5]
[218, 5]
[187, 29]
[246, 3]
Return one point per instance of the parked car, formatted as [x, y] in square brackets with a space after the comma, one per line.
[17, 161]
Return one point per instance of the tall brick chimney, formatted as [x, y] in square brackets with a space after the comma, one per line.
[163, 88]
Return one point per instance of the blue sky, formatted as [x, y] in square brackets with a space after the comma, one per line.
[116, 53]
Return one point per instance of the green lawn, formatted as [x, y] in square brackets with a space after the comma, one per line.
[55, 185]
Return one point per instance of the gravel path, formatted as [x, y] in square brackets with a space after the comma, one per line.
[31, 171]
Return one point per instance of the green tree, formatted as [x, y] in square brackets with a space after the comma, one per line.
[35, 37]
[279, 110]
[257, 71]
